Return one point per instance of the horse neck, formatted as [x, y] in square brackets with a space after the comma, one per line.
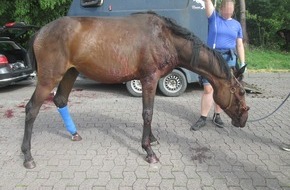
[203, 61]
[184, 50]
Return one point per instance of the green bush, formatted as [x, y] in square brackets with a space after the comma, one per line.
[265, 59]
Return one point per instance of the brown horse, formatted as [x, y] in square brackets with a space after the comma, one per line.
[142, 46]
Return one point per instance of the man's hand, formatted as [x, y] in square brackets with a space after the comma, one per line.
[243, 64]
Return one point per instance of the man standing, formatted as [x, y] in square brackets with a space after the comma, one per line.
[224, 35]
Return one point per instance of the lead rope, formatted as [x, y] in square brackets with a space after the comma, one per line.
[254, 120]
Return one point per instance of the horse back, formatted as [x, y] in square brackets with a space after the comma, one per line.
[124, 47]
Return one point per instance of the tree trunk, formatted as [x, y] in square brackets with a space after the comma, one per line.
[243, 20]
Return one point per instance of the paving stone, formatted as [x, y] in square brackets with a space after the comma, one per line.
[110, 155]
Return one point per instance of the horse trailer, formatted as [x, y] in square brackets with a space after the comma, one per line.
[187, 13]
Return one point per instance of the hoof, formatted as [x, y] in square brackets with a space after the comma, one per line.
[76, 137]
[152, 159]
[29, 164]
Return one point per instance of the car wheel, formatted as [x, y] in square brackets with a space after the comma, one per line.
[173, 84]
[134, 87]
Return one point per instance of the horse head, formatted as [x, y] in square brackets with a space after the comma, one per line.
[231, 98]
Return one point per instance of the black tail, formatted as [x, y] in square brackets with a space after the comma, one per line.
[30, 53]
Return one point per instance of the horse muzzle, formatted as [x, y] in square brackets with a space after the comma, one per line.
[242, 120]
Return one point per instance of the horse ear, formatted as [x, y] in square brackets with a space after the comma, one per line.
[238, 73]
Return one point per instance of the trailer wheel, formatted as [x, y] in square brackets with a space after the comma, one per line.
[173, 84]
[134, 87]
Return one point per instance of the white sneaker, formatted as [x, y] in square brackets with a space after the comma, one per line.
[285, 147]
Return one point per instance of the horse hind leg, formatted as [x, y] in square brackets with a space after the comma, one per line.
[31, 111]
[61, 98]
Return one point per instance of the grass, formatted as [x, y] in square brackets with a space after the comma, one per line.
[267, 60]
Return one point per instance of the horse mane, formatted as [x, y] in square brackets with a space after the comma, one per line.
[188, 35]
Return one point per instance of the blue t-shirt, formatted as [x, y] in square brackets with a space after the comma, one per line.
[222, 32]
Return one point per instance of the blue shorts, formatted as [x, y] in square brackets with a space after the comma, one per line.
[231, 59]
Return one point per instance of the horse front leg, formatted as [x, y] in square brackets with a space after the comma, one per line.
[148, 94]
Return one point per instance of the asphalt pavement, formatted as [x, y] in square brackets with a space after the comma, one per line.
[110, 155]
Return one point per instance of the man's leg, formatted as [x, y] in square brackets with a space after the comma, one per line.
[217, 118]
[206, 103]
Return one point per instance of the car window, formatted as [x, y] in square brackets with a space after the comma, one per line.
[7, 46]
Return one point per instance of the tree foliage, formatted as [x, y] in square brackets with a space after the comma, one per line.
[36, 12]
[263, 17]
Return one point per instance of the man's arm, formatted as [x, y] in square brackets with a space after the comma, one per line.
[241, 51]
[209, 8]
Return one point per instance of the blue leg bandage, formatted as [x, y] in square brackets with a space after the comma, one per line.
[68, 122]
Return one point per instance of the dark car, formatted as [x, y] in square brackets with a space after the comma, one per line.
[14, 64]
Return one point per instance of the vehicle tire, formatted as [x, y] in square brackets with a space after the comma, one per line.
[134, 87]
[173, 84]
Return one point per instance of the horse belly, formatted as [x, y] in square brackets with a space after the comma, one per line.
[109, 73]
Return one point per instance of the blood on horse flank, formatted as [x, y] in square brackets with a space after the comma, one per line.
[112, 50]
